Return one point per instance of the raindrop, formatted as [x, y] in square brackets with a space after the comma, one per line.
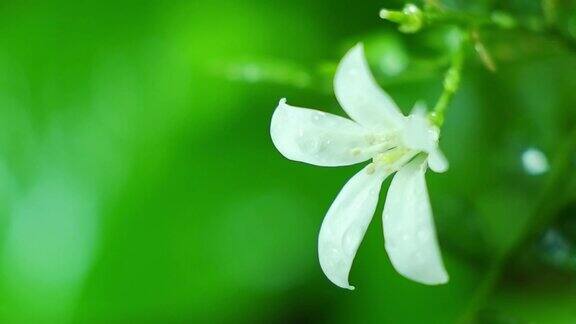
[535, 161]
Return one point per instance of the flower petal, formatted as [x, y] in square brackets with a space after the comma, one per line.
[409, 228]
[345, 224]
[360, 96]
[437, 161]
[418, 134]
[318, 138]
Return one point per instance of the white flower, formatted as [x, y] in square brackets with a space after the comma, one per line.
[395, 143]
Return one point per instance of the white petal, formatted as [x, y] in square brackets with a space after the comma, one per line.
[420, 108]
[345, 224]
[409, 228]
[316, 137]
[360, 95]
[437, 161]
[419, 134]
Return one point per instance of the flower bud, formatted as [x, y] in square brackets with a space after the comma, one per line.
[410, 18]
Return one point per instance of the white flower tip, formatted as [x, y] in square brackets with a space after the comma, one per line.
[441, 279]
[276, 125]
[277, 114]
[355, 54]
[335, 265]
[420, 108]
[430, 276]
[342, 283]
[336, 272]
[359, 47]
[437, 162]
[444, 280]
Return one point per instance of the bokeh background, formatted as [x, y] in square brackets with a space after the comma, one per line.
[139, 184]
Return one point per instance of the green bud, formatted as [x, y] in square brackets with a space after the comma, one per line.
[503, 20]
[410, 19]
[452, 80]
[436, 119]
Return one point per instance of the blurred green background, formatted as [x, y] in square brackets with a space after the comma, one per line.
[139, 184]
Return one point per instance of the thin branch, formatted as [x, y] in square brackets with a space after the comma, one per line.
[451, 85]
[543, 216]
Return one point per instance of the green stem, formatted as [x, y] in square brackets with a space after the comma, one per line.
[502, 20]
[547, 206]
[549, 8]
[543, 216]
[451, 85]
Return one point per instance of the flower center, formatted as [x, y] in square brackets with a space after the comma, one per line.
[392, 160]
[388, 152]
[377, 143]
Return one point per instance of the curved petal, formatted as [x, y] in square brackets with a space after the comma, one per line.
[418, 134]
[409, 228]
[360, 96]
[437, 161]
[318, 138]
[345, 224]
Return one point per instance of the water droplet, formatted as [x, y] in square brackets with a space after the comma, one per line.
[535, 161]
